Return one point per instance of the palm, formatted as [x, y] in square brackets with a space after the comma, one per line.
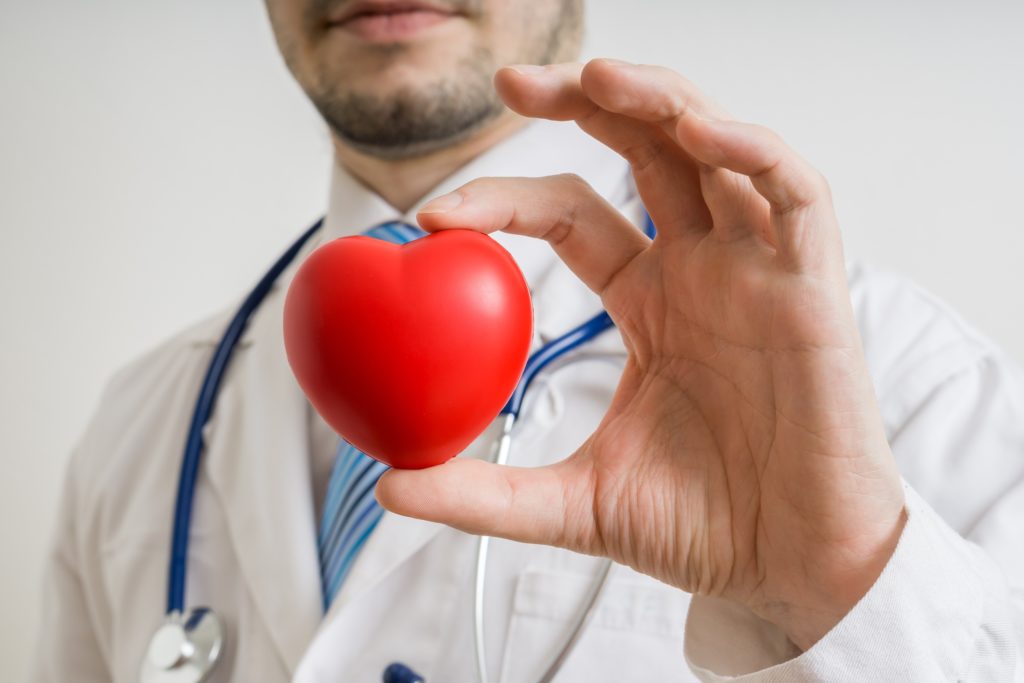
[731, 474]
[743, 453]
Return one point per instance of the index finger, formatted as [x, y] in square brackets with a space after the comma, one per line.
[587, 233]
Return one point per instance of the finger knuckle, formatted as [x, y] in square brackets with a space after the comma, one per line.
[563, 221]
[573, 183]
[669, 106]
[771, 138]
[642, 156]
[811, 188]
[820, 184]
[484, 184]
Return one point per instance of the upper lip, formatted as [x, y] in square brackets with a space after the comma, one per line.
[356, 9]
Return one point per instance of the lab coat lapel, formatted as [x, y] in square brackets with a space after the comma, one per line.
[394, 541]
[258, 463]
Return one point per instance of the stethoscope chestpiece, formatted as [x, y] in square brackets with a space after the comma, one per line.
[183, 649]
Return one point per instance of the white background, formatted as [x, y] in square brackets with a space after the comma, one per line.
[154, 157]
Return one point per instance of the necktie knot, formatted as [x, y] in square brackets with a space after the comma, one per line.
[396, 232]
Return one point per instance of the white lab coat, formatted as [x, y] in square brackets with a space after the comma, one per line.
[943, 609]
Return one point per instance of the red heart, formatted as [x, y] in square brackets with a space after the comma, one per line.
[409, 351]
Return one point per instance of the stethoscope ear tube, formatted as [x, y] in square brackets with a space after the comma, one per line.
[185, 648]
[204, 407]
[483, 543]
[480, 583]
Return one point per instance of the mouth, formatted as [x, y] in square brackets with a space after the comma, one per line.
[389, 21]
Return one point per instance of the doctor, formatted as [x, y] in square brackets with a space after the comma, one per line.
[803, 469]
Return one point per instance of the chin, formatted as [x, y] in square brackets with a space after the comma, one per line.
[424, 147]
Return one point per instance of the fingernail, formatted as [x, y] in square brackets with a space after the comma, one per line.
[527, 69]
[615, 62]
[442, 204]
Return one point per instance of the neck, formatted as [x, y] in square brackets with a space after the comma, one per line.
[404, 182]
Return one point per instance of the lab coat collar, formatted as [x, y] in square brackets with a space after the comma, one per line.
[258, 465]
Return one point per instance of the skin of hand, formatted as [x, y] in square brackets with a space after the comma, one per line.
[743, 455]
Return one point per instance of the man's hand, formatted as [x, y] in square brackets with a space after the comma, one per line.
[743, 455]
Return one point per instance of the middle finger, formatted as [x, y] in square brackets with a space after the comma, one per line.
[662, 97]
[667, 178]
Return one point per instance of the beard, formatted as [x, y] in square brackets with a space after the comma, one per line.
[413, 121]
[417, 120]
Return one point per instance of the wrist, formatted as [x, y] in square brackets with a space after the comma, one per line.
[831, 588]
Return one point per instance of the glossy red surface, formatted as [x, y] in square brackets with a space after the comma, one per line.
[409, 351]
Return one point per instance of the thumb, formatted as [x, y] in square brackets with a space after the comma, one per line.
[531, 505]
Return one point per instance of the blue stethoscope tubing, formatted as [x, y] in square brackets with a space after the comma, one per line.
[204, 408]
[218, 366]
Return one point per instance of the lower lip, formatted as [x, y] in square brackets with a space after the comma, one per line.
[385, 28]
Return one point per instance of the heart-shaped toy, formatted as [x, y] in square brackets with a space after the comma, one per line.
[409, 351]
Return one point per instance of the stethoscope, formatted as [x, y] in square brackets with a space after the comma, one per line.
[187, 645]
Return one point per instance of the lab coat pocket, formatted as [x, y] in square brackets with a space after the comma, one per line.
[636, 633]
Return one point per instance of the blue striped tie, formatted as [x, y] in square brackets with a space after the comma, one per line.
[350, 510]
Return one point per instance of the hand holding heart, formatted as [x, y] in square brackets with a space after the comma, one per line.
[743, 455]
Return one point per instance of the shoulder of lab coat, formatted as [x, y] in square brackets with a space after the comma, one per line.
[948, 605]
[121, 490]
[165, 368]
[73, 642]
